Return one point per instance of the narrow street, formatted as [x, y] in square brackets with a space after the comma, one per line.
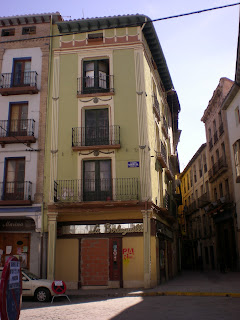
[134, 308]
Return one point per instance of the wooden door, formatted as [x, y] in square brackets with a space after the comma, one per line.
[115, 260]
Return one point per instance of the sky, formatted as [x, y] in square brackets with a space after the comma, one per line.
[199, 49]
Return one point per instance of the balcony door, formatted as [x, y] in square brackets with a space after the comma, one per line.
[96, 127]
[95, 76]
[14, 179]
[18, 120]
[97, 182]
[21, 72]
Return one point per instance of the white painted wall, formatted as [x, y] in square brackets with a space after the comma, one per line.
[19, 149]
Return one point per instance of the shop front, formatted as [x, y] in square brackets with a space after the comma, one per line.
[106, 255]
[20, 236]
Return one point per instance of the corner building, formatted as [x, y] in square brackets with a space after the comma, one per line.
[111, 150]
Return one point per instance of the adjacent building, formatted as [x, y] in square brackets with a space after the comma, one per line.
[198, 238]
[231, 106]
[220, 174]
[111, 155]
[24, 62]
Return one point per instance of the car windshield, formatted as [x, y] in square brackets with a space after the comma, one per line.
[31, 275]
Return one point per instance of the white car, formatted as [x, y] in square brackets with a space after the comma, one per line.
[32, 286]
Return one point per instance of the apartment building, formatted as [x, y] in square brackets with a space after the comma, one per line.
[24, 57]
[198, 240]
[231, 106]
[111, 155]
[220, 176]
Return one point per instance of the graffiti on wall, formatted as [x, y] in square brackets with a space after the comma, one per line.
[128, 254]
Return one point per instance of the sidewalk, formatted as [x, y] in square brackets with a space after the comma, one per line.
[188, 283]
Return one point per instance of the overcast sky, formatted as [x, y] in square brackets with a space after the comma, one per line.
[199, 49]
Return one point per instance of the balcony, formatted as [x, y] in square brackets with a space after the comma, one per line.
[95, 138]
[164, 127]
[166, 201]
[204, 200]
[221, 129]
[217, 169]
[162, 155]
[22, 83]
[215, 137]
[156, 107]
[210, 144]
[170, 170]
[17, 131]
[16, 193]
[95, 86]
[116, 189]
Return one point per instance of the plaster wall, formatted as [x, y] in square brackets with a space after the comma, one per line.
[19, 150]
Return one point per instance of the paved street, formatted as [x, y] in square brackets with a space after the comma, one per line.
[135, 308]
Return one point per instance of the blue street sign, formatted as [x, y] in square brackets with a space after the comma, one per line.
[133, 164]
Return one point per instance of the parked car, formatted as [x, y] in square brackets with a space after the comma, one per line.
[33, 286]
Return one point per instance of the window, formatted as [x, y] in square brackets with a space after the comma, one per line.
[95, 76]
[223, 151]
[237, 116]
[195, 174]
[215, 194]
[221, 190]
[220, 118]
[14, 179]
[205, 163]
[200, 168]
[217, 154]
[236, 152]
[227, 188]
[29, 30]
[18, 125]
[212, 160]
[97, 184]
[21, 72]
[8, 32]
[96, 127]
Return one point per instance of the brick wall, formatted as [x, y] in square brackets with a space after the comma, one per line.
[94, 262]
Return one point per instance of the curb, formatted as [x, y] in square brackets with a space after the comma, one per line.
[192, 294]
[157, 293]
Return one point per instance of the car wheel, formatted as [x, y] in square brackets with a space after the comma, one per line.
[42, 295]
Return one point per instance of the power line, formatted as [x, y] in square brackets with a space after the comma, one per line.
[131, 24]
[195, 12]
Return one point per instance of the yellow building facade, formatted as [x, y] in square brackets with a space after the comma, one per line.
[111, 156]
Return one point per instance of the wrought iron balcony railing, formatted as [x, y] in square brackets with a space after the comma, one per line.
[166, 200]
[156, 107]
[96, 136]
[17, 128]
[88, 85]
[162, 155]
[15, 190]
[96, 190]
[203, 200]
[19, 79]
[217, 169]
[164, 126]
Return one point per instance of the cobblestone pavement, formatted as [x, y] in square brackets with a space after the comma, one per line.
[138, 308]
